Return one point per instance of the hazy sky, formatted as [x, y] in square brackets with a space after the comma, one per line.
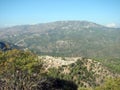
[17, 12]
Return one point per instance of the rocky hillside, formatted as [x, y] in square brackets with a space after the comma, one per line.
[84, 72]
[23, 70]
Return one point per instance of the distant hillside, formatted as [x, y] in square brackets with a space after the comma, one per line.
[66, 38]
[4, 46]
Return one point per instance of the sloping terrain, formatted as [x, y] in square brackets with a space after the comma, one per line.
[68, 45]
[66, 38]
[24, 70]
[84, 72]
[4, 46]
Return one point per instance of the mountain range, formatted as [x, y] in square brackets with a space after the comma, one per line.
[66, 38]
[65, 55]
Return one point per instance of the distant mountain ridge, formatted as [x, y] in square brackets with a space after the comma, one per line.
[66, 38]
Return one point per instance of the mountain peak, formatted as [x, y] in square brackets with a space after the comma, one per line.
[77, 23]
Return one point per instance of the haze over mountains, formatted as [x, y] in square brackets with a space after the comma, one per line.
[66, 38]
